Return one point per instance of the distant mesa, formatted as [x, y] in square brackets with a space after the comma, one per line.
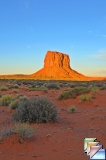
[57, 66]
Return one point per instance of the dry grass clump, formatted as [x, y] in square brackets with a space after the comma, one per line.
[73, 93]
[5, 100]
[84, 97]
[3, 88]
[24, 131]
[5, 132]
[52, 85]
[15, 103]
[72, 109]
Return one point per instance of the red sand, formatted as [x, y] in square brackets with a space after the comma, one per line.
[62, 140]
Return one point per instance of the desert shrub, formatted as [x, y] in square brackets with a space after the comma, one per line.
[44, 84]
[24, 131]
[15, 91]
[3, 88]
[73, 93]
[83, 97]
[66, 94]
[102, 87]
[5, 100]
[52, 85]
[5, 131]
[22, 98]
[94, 89]
[12, 85]
[89, 98]
[44, 89]
[38, 109]
[15, 86]
[72, 109]
[15, 103]
[19, 95]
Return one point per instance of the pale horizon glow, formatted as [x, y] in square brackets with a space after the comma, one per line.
[29, 28]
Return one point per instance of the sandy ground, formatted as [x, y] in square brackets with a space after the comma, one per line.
[63, 140]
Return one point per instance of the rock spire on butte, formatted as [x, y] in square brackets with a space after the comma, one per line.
[57, 66]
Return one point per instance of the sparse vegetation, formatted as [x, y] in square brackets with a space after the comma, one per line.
[86, 98]
[72, 109]
[15, 103]
[24, 131]
[73, 92]
[5, 132]
[3, 88]
[52, 85]
[5, 100]
[82, 97]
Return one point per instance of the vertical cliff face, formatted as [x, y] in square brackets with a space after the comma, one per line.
[56, 59]
[57, 66]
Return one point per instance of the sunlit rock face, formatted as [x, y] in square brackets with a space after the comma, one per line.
[57, 66]
[56, 59]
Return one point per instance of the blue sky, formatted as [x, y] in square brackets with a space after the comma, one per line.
[29, 28]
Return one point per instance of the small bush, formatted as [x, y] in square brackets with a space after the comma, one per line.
[52, 85]
[15, 103]
[6, 100]
[15, 91]
[73, 93]
[72, 109]
[94, 89]
[19, 95]
[44, 89]
[5, 131]
[38, 109]
[24, 131]
[83, 97]
[89, 98]
[86, 98]
[3, 88]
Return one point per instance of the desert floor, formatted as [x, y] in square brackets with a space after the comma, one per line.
[62, 140]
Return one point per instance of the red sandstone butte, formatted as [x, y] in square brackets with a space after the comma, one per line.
[57, 66]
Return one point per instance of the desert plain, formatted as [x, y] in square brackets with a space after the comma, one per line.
[60, 140]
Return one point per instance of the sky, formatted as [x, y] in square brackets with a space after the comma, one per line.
[29, 28]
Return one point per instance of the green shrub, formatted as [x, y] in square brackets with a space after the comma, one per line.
[83, 97]
[52, 85]
[15, 91]
[12, 85]
[86, 98]
[24, 131]
[94, 89]
[5, 131]
[19, 95]
[72, 109]
[38, 109]
[44, 89]
[66, 94]
[15, 103]
[5, 100]
[73, 93]
[3, 88]
[89, 98]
